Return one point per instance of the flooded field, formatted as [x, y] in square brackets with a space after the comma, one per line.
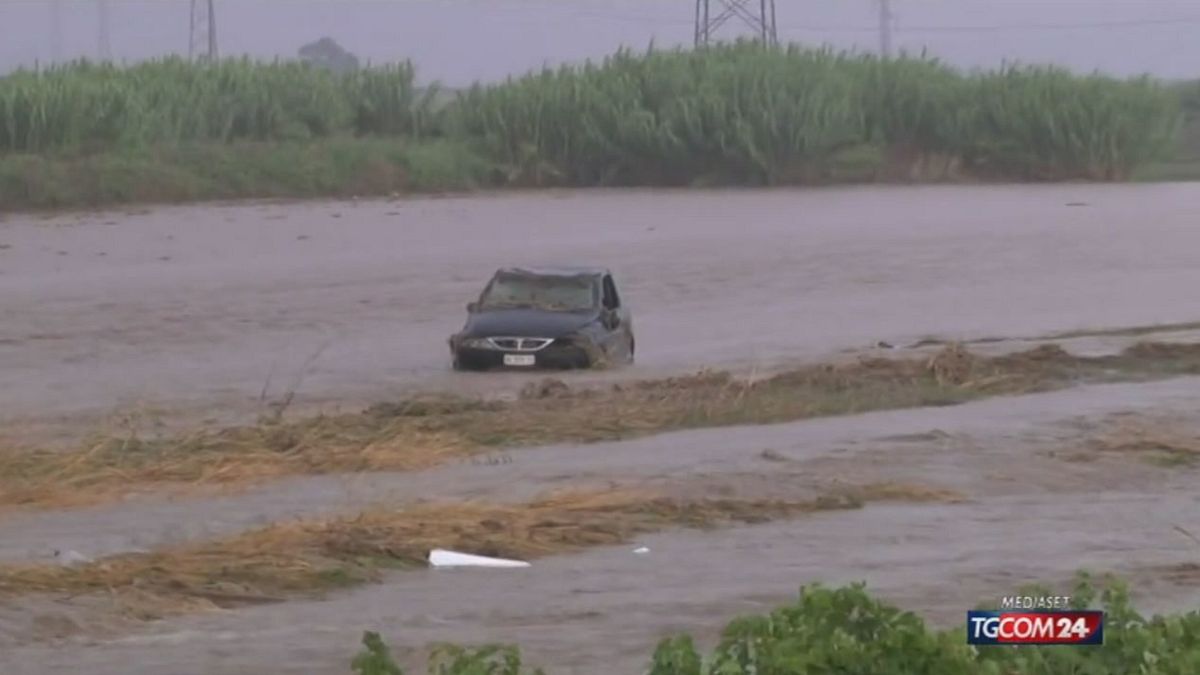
[193, 312]
[201, 308]
[1041, 501]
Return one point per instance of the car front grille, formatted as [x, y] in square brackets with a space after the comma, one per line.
[520, 344]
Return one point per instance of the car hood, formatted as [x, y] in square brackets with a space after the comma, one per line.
[525, 323]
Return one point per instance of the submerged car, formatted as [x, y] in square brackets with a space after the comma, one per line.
[561, 317]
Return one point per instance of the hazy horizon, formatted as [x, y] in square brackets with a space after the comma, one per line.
[458, 42]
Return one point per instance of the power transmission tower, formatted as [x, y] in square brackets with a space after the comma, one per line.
[104, 38]
[757, 14]
[202, 42]
[885, 28]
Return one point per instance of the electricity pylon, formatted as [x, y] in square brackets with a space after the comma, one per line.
[202, 41]
[759, 15]
[885, 28]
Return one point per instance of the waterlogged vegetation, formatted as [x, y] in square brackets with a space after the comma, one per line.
[846, 631]
[432, 430]
[308, 558]
[732, 114]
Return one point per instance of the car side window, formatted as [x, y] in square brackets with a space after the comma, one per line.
[611, 299]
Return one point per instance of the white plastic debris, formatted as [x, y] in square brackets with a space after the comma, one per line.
[641, 550]
[443, 558]
[71, 558]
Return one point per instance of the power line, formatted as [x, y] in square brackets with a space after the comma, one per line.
[1191, 21]
[104, 39]
[885, 28]
[661, 20]
[1056, 26]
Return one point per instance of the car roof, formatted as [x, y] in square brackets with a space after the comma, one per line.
[556, 271]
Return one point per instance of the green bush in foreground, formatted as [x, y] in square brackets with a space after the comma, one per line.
[376, 659]
[845, 631]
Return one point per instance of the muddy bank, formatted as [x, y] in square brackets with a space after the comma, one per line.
[195, 308]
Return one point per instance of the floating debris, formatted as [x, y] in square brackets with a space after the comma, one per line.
[443, 558]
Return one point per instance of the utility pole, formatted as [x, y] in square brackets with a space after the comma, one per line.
[104, 38]
[56, 30]
[885, 28]
[759, 15]
[202, 40]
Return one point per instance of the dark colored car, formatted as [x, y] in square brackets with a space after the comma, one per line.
[561, 317]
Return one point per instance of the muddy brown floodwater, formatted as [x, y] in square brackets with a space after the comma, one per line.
[197, 307]
[192, 309]
[1031, 516]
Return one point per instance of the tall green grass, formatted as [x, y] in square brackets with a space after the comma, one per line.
[785, 114]
[1188, 147]
[89, 107]
[737, 113]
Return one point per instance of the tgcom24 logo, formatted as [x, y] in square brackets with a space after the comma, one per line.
[1035, 627]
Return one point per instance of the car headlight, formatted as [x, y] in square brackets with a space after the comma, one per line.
[477, 343]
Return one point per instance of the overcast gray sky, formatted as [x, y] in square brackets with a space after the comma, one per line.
[459, 41]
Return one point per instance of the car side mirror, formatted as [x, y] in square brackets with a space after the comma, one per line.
[471, 307]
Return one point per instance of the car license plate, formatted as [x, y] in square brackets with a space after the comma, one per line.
[518, 359]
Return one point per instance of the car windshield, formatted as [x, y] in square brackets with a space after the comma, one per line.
[542, 292]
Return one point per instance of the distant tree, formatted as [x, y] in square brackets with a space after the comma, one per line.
[325, 53]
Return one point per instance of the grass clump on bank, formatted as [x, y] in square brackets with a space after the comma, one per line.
[1161, 442]
[428, 431]
[736, 114]
[846, 631]
[312, 556]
